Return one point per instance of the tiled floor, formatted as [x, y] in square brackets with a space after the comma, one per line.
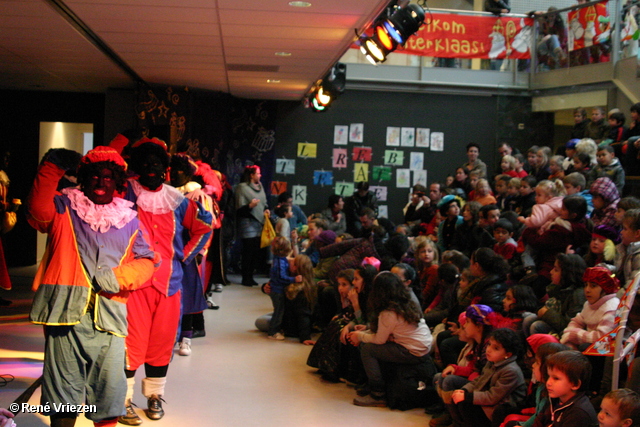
[235, 376]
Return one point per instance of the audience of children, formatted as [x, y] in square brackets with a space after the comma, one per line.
[381, 310]
[564, 221]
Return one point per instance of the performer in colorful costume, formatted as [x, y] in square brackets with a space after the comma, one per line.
[154, 309]
[95, 256]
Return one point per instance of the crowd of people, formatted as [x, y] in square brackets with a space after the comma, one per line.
[489, 282]
[492, 281]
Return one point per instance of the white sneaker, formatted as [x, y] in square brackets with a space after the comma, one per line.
[185, 347]
[217, 287]
[277, 336]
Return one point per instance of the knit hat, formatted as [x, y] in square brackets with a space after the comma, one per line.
[607, 232]
[103, 154]
[606, 189]
[572, 143]
[536, 340]
[602, 277]
[445, 202]
[327, 237]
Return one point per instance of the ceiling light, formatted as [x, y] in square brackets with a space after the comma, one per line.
[299, 4]
[273, 81]
[283, 53]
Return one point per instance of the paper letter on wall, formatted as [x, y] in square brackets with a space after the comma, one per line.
[360, 172]
[307, 150]
[299, 193]
[381, 173]
[361, 154]
[286, 166]
[344, 189]
[393, 157]
[339, 158]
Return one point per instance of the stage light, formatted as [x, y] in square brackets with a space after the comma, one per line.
[317, 107]
[325, 91]
[390, 32]
[323, 96]
[404, 22]
[378, 46]
[336, 80]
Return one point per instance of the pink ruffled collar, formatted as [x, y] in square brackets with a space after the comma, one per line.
[100, 218]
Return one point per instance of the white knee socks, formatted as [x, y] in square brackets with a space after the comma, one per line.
[152, 386]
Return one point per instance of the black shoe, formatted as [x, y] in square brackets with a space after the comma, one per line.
[154, 407]
[363, 390]
[130, 418]
[198, 334]
[436, 408]
[330, 378]
[250, 284]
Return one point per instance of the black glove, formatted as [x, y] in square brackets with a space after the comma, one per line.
[63, 158]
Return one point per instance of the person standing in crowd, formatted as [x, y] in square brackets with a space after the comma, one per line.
[353, 205]
[96, 255]
[179, 228]
[183, 169]
[474, 163]
[251, 207]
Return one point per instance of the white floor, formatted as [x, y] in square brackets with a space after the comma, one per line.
[235, 376]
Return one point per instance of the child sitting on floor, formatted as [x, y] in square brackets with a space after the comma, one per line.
[602, 248]
[569, 375]
[397, 334]
[279, 280]
[503, 234]
[620, 408]
[597, 317]
[605, 202]
[500, 383]
[549, 346]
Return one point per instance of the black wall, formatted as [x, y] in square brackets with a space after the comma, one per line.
[463, 119]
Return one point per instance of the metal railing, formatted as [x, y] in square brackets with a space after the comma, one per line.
[610, 51]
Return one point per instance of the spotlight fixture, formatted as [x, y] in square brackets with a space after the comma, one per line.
[328, 89]
[392, 31]
[404, 22]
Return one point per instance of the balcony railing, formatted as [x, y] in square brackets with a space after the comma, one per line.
[550, 50]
